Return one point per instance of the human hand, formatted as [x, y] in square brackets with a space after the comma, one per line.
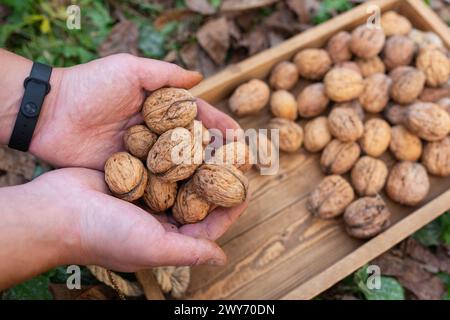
[67, 216]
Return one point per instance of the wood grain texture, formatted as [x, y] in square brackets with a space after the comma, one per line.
[277, 249]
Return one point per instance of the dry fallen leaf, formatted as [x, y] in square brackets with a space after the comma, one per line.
[239, 5]
[201, 6]
[255, 41]
[123, 38]
[213, 36]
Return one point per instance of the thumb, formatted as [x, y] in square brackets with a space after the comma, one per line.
[154, 74]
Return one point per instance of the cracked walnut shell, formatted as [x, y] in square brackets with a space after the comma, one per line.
[343, 84]
[339, 157]
[345, 124]
[330, 198]
[168, 108]
[159, 195]
[190, 207]
[367, 42]
[405, 146]
[369, 176]
[375, 95]
[284, 76]
[290, 134]
[283, 105]
[408, 183]
[125, 176]
[366, 217]
[316, 134]
[224, 186]
[436, 157]
[338, 47]
[428, 120]
[312, 100]
[435, 65]
[312, 64]
[138, 141]
[249, 98]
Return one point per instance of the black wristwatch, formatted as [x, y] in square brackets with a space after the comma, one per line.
[37, 86]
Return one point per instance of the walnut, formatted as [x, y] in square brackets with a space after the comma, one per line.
[330, 198]
[265, 153]
[284, 105]
[354, 105]
[395, 24]
[174, 156]
[405, 146]
[435, 94]
[312, 101]
[436, 157]
[436, 66]
[168, 108]
[367, 42]
[312, 64]
[339, 157]
[408, 183]
[345, 124]
[235, 153]
[138, 140]
[375, 95]
[367, 217]
[425, 39]
[444, 103]
[317, 134]
[429, 121]
[376, 138]
[396, 114]
[224, 186]
[200, 132]
[371, 66]
[343, 84]
[249, 98]
[399, 51]
[125, 176]
[349, 65]
[407, 84]
[189, 206]
[290, 134]
[284, 76]
[338, 47]
[159, 195]
[369, 176]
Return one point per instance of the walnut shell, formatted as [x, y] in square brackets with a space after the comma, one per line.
[396, 114]
[375, 95]
[174, 156]
[376, 138]
[367, 217]
[429, 121]
[330, 198]
[436, 157]
[249, 98]
[236, 153]
[265, 153]
[199, 132]
[138, 141]
[395, 24]
[444, 103]
[345, 124]
[168, 108]
[369, 176]
[408, 183]
[367, 42]
[407, 85]
[343, 84]
[224, 186]
[312, 64]
[159, 195]
[405, 146]
[284, 76]
[349, 65]
[399, 51]
[125, 176]
[371, 66]
[339, 157]
[284, 105]
[317, 134]
[290, 134]
[189, 206]
[425, 39]
[435, 65]
[338, 47]
[435, 94]
[312, 101]
[354, 105]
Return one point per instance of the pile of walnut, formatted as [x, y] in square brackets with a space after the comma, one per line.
[360, 77]
[149, 171]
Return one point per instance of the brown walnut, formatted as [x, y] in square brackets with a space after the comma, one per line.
[444, 103]
[168, 108]
[284, 76]
[312, 64]
[338, 47]
[396, 114]
[399, 51]
[369, 176]
[408, 183]
[224, 186]
[138, 141]
[317, 134]
[330, 198]
[290, 134]
[405, 146]
[236, 153]
[376, 138]
[284, 105]
[349, 65]
[395, 24]
[367, 42]
[436, 157]
[249, 98]
[190, 207]
[125, 176]
[159, 195]
[343, 84]
[435, 65]
[339, 157]
[354, 105]
[345, 124]
[375, 95]
[199, 132]
[371, 66]
[312, 100]
[407, 85]
[367, 217]
[429, 121]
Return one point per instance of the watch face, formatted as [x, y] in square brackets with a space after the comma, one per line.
[30, 110]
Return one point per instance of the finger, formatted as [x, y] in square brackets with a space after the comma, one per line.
[215, 224]
[169, 227]
[214, 118]
[154, 74]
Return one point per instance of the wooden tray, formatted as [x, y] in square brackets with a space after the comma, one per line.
[277, 250]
